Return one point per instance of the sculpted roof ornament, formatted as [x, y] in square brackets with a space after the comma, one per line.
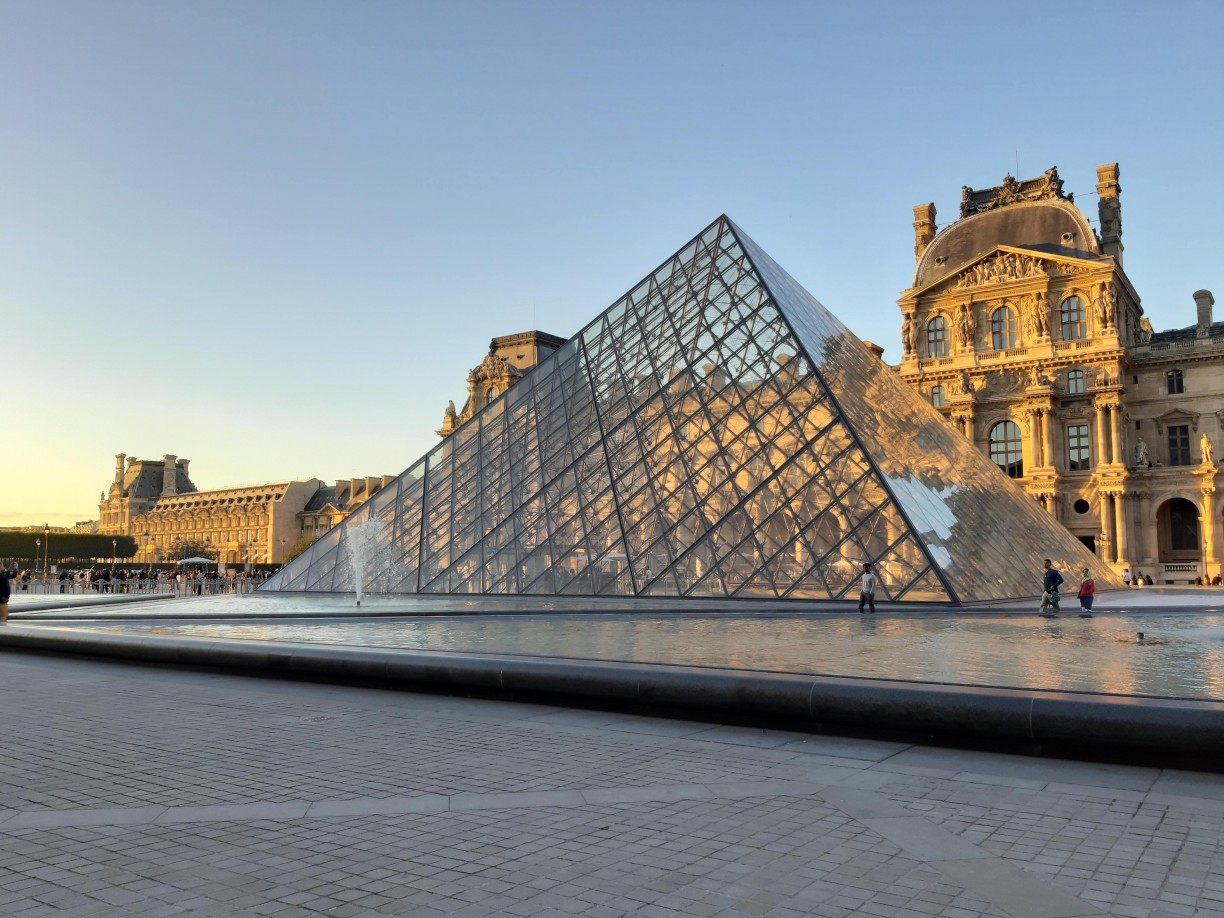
[1047, 187]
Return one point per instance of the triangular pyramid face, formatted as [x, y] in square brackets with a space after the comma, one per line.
[714, 433]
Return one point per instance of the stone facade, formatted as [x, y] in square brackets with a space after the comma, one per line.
[1023, 330]
[501, 368]
[155, 502]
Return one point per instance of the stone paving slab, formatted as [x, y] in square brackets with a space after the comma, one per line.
[138, 791]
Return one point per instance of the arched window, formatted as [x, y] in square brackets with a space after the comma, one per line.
[1074, 319]
[937, 337]
[1075, 382]
[1005, 449]
[1003, 329]
[490, 394]
[937, 396]
[1175, 382]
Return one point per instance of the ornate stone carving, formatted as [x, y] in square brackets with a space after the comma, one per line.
[1002, 268]
[1048, 187]
[909, 334]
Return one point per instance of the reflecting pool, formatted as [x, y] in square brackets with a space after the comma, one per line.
[1182, 654]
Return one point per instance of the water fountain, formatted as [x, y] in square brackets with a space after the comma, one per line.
[362, 542]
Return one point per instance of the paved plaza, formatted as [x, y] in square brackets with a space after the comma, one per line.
[137, 791]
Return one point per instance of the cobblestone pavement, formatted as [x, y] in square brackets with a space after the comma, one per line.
[135, 791]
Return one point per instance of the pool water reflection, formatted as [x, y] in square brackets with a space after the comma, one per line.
[1182, 656]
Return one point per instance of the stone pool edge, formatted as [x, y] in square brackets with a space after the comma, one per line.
[1156, 727]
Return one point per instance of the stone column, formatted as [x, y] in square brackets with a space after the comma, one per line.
[1122, 521]
[1107, 542]
[1102, 454]
[1047, 425]
[1147, 529]
[1211, 565]
[1115, 433]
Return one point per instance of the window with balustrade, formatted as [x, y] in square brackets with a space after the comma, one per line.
[1074, 319]
[938, 344]
[1003, 328]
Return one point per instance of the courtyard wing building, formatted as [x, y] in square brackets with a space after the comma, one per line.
[1023, 331]
[716, 432]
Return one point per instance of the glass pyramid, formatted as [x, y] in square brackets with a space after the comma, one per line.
[716, 432]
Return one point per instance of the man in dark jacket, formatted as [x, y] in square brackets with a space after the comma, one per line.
[5, 591]
[1053, 580]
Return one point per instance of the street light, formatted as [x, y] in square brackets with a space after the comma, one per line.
[37, 552]
[46, 549]
[114, 551]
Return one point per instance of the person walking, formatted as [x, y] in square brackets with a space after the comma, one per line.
[867, 588]
[6, 590]
[1087, 590]
[1053, 580]
[1126, 576]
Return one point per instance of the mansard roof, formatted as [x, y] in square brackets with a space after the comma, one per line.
[1074, 261]
[1054, 226]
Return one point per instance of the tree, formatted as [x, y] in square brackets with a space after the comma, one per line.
[298, 547]
[180, 550]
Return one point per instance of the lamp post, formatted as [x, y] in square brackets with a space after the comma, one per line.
[37, 552]
[282, 560]
[46, 549]
[114, 551]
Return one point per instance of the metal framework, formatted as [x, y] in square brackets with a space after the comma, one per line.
[716, 432]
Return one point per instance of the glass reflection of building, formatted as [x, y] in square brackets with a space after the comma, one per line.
[714, 433]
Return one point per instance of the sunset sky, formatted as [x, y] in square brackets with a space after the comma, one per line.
[273, 237]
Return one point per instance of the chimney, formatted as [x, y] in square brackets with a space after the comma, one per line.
[1109, 209]
[119, 457]
[169, 476]
[924, 228]
[182, 464]
[1203, 301]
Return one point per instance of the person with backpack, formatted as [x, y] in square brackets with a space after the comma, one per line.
[1053, 580]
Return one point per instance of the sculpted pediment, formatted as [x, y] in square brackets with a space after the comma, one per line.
[1005, 265]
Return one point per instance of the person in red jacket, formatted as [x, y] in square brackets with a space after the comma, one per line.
[1087, 590]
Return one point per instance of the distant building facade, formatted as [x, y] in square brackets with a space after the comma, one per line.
[1024, 331]
[155, 502]
[501, 368]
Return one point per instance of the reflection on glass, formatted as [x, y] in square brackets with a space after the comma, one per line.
[715, 432]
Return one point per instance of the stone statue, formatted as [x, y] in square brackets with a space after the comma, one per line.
[908, 341]
[1039, 377]
[1041, 315]
[1141, 454]
[967, 326]
[1205, 449]
[966, 384]
[1145, 330]
[450, 408]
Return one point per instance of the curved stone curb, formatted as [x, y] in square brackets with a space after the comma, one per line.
[1078, 720]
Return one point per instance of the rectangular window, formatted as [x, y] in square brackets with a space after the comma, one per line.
[1179, 445]
[1078, 459]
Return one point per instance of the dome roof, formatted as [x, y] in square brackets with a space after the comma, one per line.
[1054, 226]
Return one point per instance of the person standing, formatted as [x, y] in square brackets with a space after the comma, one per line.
[5, 591]
[1087, 590]
[1126, 576]
[867, 588]
[1053, 580]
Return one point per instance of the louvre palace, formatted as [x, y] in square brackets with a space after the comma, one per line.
[1023, 330]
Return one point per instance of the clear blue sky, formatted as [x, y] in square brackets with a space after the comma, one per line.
[272, 237]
